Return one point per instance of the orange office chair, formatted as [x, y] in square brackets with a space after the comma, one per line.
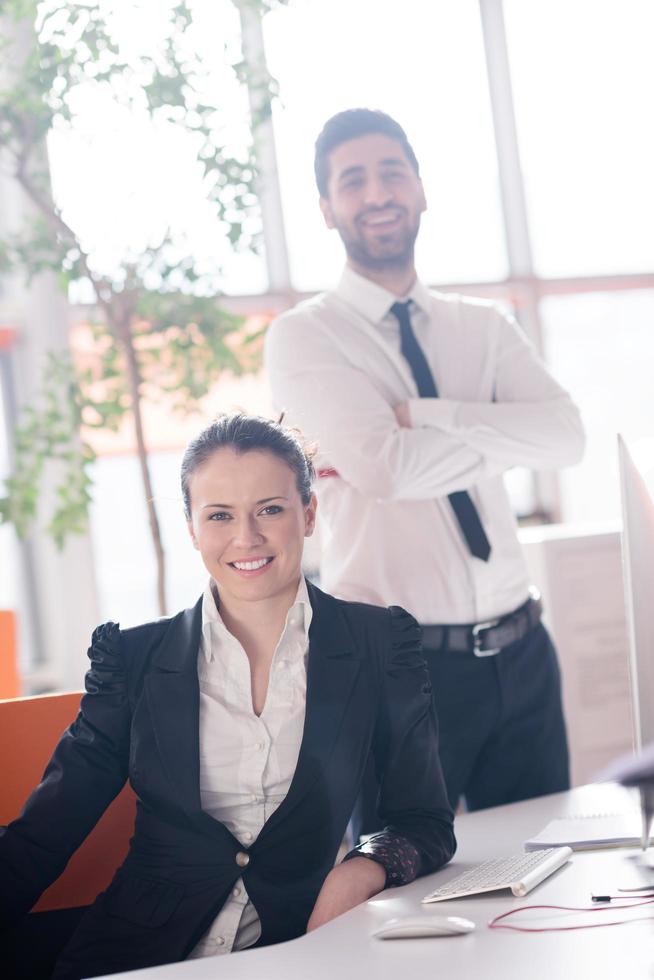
[29, 731]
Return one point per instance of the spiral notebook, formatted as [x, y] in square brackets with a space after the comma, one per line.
[588, 832]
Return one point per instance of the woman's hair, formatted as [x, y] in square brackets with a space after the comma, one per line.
[245, 433]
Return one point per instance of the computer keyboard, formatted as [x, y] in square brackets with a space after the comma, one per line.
[519, 872]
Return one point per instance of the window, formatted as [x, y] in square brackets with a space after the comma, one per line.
[122, 181]
[583, 77]
[424, 66]
[601, 347]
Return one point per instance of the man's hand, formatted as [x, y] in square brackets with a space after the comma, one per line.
[403, 415]
[345, 886]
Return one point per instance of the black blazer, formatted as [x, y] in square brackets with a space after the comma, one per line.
[367, 688]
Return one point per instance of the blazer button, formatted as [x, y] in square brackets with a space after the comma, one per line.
[242, 859]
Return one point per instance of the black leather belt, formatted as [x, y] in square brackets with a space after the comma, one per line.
[486, 639]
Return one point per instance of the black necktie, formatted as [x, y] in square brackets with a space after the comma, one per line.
[462, 505]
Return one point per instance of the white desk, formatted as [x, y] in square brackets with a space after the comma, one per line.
[344, 949]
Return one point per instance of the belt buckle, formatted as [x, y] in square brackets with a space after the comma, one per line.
[477, 639]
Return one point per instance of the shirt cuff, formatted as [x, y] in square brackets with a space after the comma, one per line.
[396, 854]
[439, 413]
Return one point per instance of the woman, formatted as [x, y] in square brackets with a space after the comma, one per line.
[244, 725]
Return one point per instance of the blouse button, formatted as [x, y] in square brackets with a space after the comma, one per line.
[247, 835]
[242, 859]
[219, 941]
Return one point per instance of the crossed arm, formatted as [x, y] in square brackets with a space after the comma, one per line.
[422, 447]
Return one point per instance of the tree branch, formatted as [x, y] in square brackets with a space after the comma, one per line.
[102, 287]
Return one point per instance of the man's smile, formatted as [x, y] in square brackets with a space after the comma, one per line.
[386, 218]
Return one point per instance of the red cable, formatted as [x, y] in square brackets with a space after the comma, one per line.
[494, 923]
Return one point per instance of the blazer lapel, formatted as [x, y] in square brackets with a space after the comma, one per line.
[173, 694]
[333, 666]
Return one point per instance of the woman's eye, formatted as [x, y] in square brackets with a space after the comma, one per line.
[272, 509]
[219, 515]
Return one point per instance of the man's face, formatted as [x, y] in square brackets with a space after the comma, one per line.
[374, 200]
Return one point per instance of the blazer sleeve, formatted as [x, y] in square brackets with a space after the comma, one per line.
[87, 770]
[418, 836]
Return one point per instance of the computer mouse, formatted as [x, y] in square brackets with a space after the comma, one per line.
[415, 926]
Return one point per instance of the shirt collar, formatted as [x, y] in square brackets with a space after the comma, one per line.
[373, 301]
[298, 616]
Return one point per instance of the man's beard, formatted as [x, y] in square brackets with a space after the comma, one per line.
[397, 253]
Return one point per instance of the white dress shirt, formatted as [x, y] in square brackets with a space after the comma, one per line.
[389, 533]
[247, 761]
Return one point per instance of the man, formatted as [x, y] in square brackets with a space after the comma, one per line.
[419, 402]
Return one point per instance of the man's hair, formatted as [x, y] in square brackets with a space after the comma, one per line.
[349, 125]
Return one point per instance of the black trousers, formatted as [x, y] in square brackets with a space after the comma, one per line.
[501, 728]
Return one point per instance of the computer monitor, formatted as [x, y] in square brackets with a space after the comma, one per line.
[638, 559]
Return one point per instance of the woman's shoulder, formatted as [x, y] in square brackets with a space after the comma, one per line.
[365, 614]
[111, 635]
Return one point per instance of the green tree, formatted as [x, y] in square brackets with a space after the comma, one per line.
[160, 328]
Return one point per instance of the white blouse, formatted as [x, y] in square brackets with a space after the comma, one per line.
[247, 762]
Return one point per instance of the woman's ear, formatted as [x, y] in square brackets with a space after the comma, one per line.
[191, 532]
[310, 516]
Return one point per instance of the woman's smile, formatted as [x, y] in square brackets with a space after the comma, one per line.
[251, 566]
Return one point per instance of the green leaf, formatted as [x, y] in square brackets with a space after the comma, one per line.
[158, 301]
